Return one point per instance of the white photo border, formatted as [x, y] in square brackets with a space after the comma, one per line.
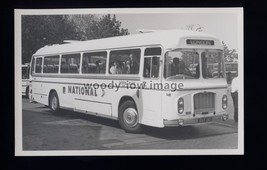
[18, 100]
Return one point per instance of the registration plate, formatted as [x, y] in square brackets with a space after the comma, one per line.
[204, 119]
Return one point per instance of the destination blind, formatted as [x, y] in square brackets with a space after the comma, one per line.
[199, 42]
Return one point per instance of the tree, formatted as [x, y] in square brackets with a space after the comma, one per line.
[80, 24]
[41, 30]
[105, 27]
[229, 55]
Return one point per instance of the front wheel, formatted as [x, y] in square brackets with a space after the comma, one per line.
[128, 117]
[54, 103]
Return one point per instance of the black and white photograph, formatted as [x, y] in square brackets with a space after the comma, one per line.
[129, 81]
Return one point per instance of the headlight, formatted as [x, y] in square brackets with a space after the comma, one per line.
[180, 105]
[224, 102]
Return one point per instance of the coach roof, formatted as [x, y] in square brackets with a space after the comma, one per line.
[166, 38]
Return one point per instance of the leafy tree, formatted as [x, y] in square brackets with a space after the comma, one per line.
[230, 55]
[41, 30]
[106, 26]
[80, 24]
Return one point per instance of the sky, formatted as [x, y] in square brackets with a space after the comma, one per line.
[222, 25]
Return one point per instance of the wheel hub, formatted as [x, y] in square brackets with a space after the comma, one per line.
[130, 117]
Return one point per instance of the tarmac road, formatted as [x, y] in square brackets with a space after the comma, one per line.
[75, 131]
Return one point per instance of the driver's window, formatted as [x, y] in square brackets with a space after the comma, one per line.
[181, 65]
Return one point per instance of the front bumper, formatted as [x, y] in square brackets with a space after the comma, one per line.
[195, 121]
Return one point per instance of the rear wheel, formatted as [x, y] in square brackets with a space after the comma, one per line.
[54, 103]
[129, 118]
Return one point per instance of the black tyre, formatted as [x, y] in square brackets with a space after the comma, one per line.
[129, 118]
[54, 103]
[27, 92]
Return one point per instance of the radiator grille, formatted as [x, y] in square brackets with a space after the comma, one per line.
[204, 102]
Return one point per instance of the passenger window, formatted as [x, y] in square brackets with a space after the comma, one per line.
[51, 64]
[38, 65]
[70, 63]
[94, 63]
[124, 61]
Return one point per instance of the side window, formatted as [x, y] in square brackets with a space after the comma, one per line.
[51, 64]
[70, 63]
[124, 61]
[152, 62]
[94, 63]
[38, 65]
[32, 65]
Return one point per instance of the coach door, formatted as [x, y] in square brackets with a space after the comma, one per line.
[37, 88]
[151, 94]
